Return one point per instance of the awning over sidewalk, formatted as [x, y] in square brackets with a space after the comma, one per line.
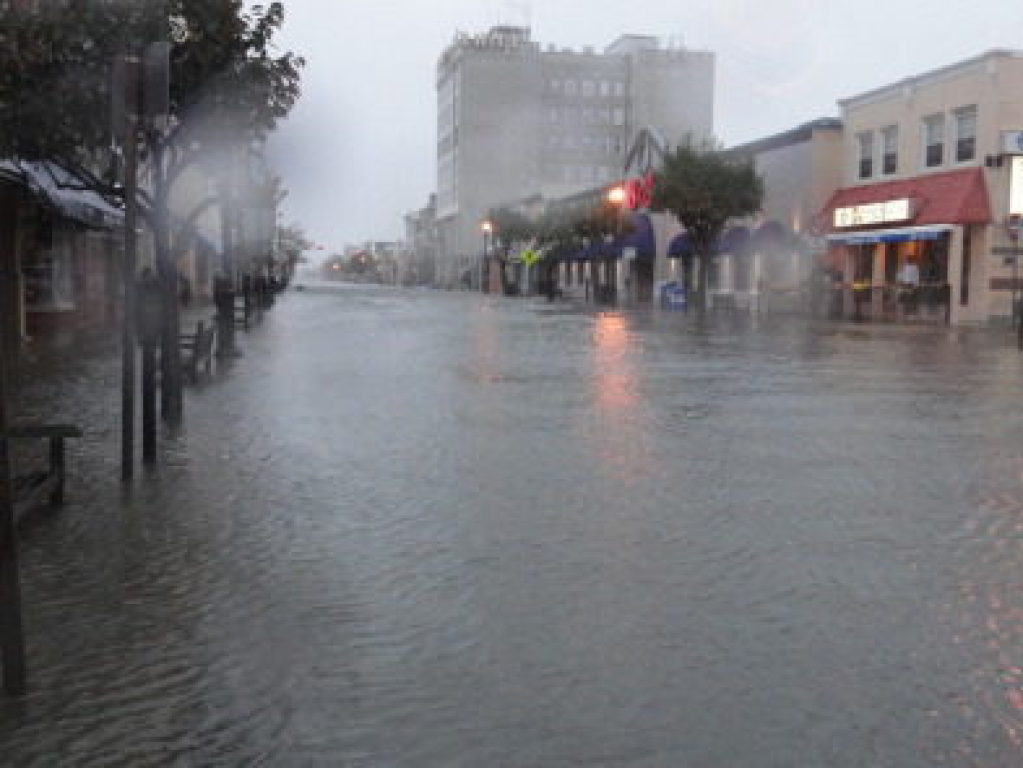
[681, 246]
[640, 238]
[897, 235]
[65, 192]
[949, 197]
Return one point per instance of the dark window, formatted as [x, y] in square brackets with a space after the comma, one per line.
[965, 122]
[891, 262]
[965, 149]
[890, 149]
[865, 142]
[934, 140]
[863, 271]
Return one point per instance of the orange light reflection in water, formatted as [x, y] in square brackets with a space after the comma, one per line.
[615, 380]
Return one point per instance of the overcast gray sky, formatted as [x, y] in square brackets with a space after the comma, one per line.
[358, 150]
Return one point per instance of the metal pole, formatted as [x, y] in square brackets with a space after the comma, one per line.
[148, 402]
[128, 321]
[12, 639]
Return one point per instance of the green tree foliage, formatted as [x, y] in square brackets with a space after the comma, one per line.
[226, 79]
[705, 189]
[292, 242]
[510, 227]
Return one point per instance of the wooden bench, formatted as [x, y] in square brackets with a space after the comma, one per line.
[44, 487]
[197, 349]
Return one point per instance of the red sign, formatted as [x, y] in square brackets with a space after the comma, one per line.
[639, 193]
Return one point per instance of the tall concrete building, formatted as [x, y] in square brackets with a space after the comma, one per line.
[515, 119]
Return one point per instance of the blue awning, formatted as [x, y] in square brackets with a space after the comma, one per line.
[771, 236]
[640, 238]
[734, 241]
[681, 246]
[895, 235]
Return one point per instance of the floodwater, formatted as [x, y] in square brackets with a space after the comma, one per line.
[432, 529]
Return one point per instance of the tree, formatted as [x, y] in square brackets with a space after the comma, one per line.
[292, 242]
[227, 85]
[705, 189]
[509, 228]
[226, 89]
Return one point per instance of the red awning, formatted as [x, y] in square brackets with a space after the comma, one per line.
[950, 197]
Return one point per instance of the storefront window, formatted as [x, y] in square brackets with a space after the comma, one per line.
[934, 263]
[863, 264]
[48, 278]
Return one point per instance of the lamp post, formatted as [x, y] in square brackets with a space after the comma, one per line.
[487, 228]
[618, 197]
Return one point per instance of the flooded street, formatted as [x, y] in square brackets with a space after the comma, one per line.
[435, 529]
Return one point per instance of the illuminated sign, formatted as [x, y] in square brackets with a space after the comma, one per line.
[1016, 186]
[886, 212]
[639, 193]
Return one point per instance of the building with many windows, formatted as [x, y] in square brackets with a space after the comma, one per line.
[514, 120]
[924, 224]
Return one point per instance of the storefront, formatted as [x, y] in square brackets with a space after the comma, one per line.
[64, 251]
[904, 250]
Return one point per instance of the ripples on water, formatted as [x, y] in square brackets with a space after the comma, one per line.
[433, 529]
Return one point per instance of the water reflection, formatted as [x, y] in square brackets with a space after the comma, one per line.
[440, 529]
[614, 377]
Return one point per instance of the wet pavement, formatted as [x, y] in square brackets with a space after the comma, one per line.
[412, 528]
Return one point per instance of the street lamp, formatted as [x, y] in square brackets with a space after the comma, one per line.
[487, 227]
[618, 197]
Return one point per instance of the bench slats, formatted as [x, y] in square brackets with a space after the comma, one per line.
[43, 430]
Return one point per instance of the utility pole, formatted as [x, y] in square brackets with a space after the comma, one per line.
[125, 99]
[12, 639]
[139, 107]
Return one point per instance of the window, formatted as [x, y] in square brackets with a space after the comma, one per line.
[588, 87]
[934, 140]
[865, 153]
[570, 87]
[890, 149]
[619, 116]
[965, 121]
[555, 85]
[619, 89]
[605, 88]
[552, 115]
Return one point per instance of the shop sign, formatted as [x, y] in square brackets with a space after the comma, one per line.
[1012, 142]
[1016, 186]
[639, 193]
[874, 213]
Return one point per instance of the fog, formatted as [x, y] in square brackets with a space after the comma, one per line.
[359, 148]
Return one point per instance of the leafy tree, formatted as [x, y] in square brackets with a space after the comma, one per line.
[704, 190]
[291, 243]
[227, 89]
[509, 228]
[227, 83]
